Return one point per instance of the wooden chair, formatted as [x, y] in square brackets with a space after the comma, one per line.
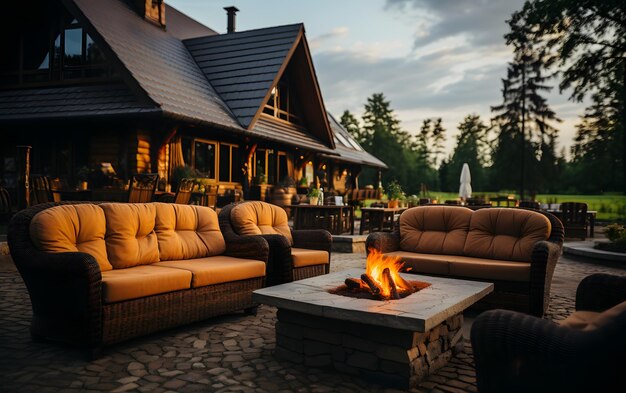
[142, 187]
[6, 206]
[183, 194]
[574, 219]
[40, 189]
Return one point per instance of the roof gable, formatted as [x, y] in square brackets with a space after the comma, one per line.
[158, 62]
[244, 67]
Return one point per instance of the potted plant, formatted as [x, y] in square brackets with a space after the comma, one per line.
[394, 192]
[83, 177]
[617, 239]
[182, 172]
[314, 194]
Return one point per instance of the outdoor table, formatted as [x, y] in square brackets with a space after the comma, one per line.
[591, 217]
[331, 217]
[73, 195]
[379, 216]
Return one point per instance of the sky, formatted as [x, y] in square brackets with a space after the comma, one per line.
[431, 58]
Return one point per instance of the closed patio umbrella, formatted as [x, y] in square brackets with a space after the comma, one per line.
[465, 190]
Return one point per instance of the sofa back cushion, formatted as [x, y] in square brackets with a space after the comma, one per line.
[434, 229]
[507, 234]
[260, 218]
[186, 232]
[72, 228]
[130, 237]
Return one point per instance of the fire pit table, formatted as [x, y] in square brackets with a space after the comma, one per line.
[391, 342]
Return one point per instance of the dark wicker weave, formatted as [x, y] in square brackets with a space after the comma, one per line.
[514, 352]
[280, 264]
[532, 297]
[66, 293]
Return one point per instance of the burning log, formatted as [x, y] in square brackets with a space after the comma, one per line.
[353, 283]
[393, 291]
[371, 283]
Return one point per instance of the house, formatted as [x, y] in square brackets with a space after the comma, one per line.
[146, 88]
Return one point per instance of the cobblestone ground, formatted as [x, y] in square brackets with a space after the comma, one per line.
[227, 354]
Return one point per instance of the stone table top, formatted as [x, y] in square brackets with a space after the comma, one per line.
[418, 312]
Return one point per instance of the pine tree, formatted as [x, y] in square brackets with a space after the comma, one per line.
[351, 124]
[524, 117]
[471, 148]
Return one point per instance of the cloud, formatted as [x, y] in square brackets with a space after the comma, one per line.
[338, 32]
[481, 22]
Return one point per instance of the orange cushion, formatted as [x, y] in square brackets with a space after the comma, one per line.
[130, 236]
[506, 234]
[305, 257]
[141, 281]
[460, 266]
[72, 228]
[434, 229]
[217, 270]
[260, 218]
[186, 232]
[590, 320]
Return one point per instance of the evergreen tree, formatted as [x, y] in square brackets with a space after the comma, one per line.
[524, 117]
[586, 41]
[471, 148]
[351, 124]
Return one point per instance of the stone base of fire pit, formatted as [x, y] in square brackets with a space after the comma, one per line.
[394, 342]
[387, 356]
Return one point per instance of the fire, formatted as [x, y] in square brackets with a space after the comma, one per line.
[375, 267]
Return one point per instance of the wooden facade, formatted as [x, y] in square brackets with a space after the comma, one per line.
[155, 112]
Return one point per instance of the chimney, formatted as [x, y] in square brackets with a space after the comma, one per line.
[232, 12]
[152, 11]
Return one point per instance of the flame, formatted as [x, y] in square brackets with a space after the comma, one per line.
[376, 263]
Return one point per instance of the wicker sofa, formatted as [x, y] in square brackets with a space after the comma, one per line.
[516, 249]
[100, 273]
[294, 254]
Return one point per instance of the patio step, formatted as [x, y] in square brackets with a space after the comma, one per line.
[349, 243]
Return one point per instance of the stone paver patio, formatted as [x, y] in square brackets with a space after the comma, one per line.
[232, 353]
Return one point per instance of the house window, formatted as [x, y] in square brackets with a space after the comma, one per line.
[282, 103]
[54, 49]
[205, 157]
[229, 163]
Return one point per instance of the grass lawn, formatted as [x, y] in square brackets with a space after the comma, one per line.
[610, 207]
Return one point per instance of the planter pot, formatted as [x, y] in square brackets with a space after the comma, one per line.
[83, 185]
[393, 204]
[313, 200]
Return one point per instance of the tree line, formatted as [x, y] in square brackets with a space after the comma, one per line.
[581, 44]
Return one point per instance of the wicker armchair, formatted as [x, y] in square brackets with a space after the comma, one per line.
[284, 256]
[520, 353]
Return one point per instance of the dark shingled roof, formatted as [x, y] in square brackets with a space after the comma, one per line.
[349, 153]
[242, 66]
[74, 101]
[183, 27]
[288, 133]
[159, 62]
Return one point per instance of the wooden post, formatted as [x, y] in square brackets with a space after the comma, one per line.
[23, 177]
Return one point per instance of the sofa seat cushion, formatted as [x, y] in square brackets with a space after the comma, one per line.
[260, 218]
[140, 281]
[72, 228]
[187, 232]
[591, 320]
[130, 236]
[460, 266]
[434, 229]
[506, 234]
[305, 257]
[217, 270]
